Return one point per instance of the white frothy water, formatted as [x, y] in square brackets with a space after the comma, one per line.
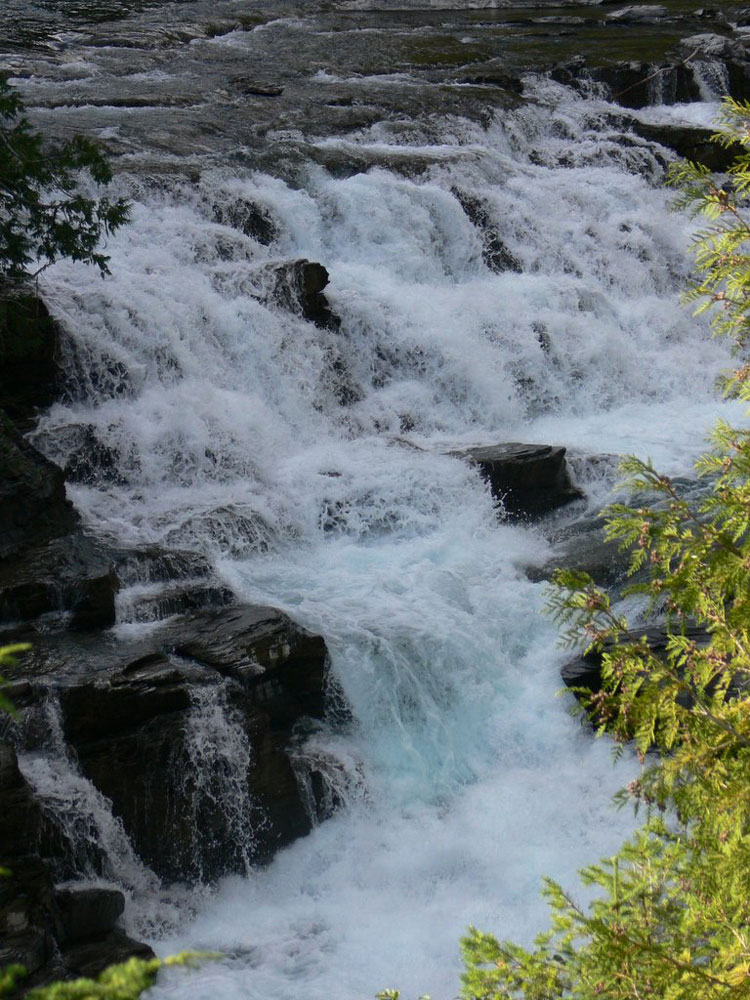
[464, 779]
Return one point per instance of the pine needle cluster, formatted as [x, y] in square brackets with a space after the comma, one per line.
[44, 216]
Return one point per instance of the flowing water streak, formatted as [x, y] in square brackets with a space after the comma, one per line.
[219, 761]
[312, 465]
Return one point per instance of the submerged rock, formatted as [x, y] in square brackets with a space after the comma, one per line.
[528, 479]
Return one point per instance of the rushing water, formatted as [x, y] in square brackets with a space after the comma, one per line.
[311, 464]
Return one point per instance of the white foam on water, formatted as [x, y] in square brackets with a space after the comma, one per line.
[234, 420]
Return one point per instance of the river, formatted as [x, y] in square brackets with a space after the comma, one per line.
[311, 463]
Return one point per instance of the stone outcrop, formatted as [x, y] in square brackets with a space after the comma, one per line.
[298, 285]
[528, 479]
[690, 142]
[72, 575]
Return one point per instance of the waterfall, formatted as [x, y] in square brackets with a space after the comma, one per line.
[513, 274]
[216, 775]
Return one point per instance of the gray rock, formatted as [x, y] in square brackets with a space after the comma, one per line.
[529, 479]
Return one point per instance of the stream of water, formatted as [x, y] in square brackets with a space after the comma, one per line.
[311, 464]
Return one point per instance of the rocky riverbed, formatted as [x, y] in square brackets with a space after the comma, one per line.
[264, 513]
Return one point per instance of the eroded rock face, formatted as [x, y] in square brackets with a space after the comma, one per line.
[528, 479]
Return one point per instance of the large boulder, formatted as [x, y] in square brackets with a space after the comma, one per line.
[528, 479]
[690, 142]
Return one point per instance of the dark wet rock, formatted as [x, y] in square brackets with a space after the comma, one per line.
[493, 74]
[53, 933]
[85, 377]
[588, 551]
[130, 723]
[172, 600]
[529, 479]
[29, 338]
[84, 914]
[91, 461]
[27, 913]
[495, 253]
[281, 663]
[235, 530]
[33, 504]
[250, 218]
[72, 574]
[633, 83]
[298, 285]
[691, 143]
[20, 816]
[152, 564]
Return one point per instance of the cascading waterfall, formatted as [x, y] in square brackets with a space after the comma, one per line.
[311, 465]
[217, 766]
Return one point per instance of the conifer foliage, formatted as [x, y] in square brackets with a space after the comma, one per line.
[44, 215]
[671, 915]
